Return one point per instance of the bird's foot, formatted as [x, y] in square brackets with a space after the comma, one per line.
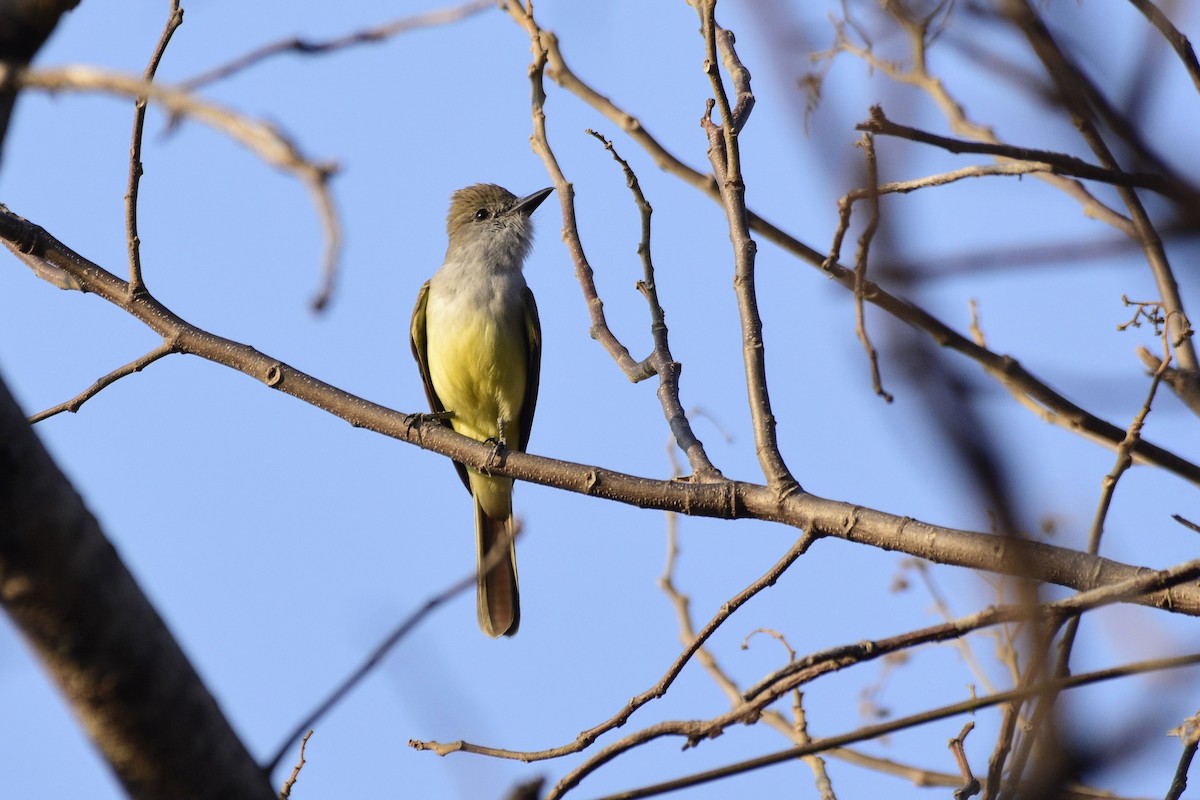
[412, 420]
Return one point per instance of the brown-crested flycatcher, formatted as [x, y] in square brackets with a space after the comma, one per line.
[478, 343]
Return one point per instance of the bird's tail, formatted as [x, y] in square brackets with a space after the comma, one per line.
[498, 599]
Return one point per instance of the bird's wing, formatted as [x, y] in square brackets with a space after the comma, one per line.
[533, 366]
[420, 350]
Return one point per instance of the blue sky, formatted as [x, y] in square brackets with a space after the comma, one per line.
[280, 544]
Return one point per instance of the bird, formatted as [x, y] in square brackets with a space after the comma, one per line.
[477, 341]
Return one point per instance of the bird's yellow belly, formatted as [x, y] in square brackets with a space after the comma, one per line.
[477, 367]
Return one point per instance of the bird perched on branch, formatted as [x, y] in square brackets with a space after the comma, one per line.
[478, 343]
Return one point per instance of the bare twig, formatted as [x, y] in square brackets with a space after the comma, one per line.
[1108, 488]
[810, 667]
[1080, 99]
[379, 33]
[970, 785]
[286, 791]
[663, 362]
[377, 655]
[860, 264]
[1187, 523]
[263, 139]
[137, 365]
[1047, 161]
[1189, 734]
[174, 20]
[1179, 43]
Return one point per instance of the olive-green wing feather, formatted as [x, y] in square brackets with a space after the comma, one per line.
[533, 366]
[420, 350]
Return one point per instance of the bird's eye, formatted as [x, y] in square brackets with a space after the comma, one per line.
[482, 214]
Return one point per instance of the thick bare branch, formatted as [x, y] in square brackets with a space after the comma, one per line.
[70, 595]
[722, 499]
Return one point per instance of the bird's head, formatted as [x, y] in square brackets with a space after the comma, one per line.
[488, 221]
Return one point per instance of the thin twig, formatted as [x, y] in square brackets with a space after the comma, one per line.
[810, 667]
[663, 362]
[377, 655]
[137, 365]
[286, 791]
[1047, 161]
[1108, 488]
[970, 785]
[379, 33]
[261, 138]
[1188, 733]
[1179, 43]
[860, 265]
[174, 20]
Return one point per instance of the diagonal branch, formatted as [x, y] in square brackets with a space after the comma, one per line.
[379, 33]
[137, 365]
[722, 500]
[261, 138]
[1179, 43]
[882, 729]
[68, 592]
[1077, 95]
[658, 690]
[1056, 163]
[660, 361]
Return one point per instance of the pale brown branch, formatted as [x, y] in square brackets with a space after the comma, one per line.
[286, 791]
[137, 365]
[174, 20]
[970, 785]
[261, 138]
[379, 33]
[1108, 488]
[1081, 100]
[1047, 160]
[1179, 43]
[660, 358]
[724, 153]
[860, 264]
[723, 500]
[807, 669]
[660, 361]
[693, 730]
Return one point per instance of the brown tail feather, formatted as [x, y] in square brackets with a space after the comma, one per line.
[498, 600]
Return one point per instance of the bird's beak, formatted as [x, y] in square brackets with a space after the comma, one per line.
[527, 204]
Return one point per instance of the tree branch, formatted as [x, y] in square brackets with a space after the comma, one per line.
[723, 499]
[134, 691]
